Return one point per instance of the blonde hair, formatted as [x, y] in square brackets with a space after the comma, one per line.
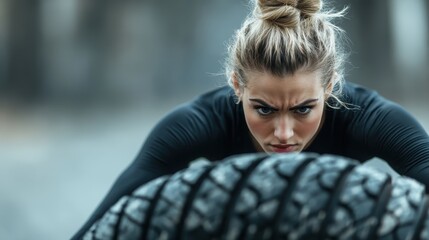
[283, 36]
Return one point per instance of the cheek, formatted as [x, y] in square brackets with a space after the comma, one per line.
[309, 127]
[257, 126]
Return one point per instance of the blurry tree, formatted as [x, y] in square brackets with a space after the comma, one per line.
[164, 50]
[366, 25]
[23, 72]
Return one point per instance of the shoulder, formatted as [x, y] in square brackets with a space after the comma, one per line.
[209, 110]
[361, 100]
[216, 106]
[375, 116]
[369, 102]
[359, 95]
[191, 128]
[218, 97]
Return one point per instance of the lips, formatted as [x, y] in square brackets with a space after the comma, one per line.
[281, 148]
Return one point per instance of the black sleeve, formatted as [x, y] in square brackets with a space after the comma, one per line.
[185, 134]
[389, 132]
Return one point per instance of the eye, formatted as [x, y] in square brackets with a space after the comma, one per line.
[263, 111]
[303, 110]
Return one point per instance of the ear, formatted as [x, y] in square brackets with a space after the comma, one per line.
[330, 86]
[236, 86]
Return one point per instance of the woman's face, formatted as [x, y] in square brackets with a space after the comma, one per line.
[283, 113]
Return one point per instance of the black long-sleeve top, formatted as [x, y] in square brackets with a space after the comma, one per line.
[213, 126]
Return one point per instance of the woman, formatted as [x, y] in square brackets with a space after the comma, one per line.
[286, 94]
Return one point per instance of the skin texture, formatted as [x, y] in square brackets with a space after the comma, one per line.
[285, 113]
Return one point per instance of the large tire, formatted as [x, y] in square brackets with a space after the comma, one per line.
[281, 196]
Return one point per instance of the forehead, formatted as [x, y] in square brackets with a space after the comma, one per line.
[301, 83]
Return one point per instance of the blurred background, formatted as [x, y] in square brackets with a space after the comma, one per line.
[82, 82]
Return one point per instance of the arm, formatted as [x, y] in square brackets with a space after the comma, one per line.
[394, 135]
[179, 138]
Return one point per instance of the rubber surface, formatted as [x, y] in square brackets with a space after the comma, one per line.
[281, 196]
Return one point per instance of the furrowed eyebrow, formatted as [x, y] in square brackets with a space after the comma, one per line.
[305, 103]
[263, 103]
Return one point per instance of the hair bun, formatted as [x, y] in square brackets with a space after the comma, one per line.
[286, 13]
[309, 7]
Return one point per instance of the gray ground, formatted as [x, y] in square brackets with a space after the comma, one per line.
[56, 165]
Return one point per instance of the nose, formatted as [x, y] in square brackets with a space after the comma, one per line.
[284, 129]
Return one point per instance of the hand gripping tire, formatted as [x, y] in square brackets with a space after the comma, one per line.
[281, 196]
